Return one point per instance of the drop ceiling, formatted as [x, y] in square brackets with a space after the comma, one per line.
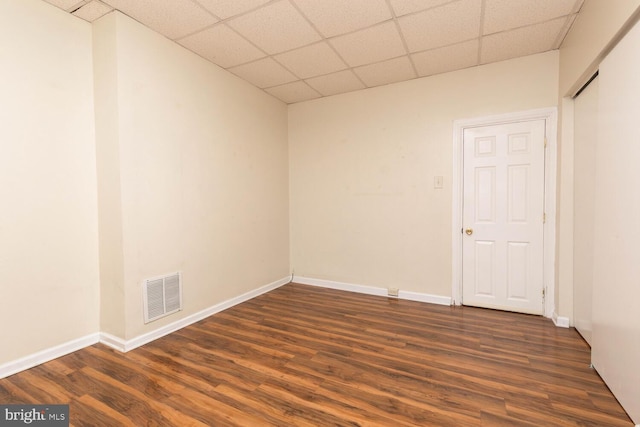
[304, 49]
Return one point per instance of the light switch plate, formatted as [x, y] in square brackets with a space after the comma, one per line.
[437, 182]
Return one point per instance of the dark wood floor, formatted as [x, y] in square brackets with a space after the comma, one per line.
[306, 356]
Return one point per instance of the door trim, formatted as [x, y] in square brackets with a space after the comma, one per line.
[550, 116]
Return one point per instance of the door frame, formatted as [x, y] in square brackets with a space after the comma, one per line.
[550, 116]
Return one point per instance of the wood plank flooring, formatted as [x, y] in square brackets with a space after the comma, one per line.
[306, 356]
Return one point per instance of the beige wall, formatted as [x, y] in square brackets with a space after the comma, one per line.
[363, 206]
[586, 138]
[105, 61]
[203, 180]
[48, 220]
[564, 213]
[598, 23]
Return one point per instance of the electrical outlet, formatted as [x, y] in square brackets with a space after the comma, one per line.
[392, 292]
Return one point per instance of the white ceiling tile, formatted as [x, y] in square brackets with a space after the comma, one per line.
[92, 11]
[521, 41]
[172, 18]
[332, 84]
[334, 17]
[370, 45]
[67, 5]
[312, 60]
[263, 73]
[276, 28]
[403, 7]
[294, 92]
[501, 15]
[442, 26]
[227, 8]
[274, 43]
[222, 46]
[447, 58]
[382, 73]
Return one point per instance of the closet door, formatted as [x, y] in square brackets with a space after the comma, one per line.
[585, 137]
[616, 235]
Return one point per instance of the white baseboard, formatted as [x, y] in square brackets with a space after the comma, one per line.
[47, 355]
[432, 299]
[127, 345]
[112, 341]
[372, 290]
[560, 321]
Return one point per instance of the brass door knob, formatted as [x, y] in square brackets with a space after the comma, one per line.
[469, 231]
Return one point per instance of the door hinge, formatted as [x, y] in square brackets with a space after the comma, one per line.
[543, 294]
[544, 217]
[545, 142]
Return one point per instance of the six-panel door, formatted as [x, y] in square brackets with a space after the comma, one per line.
[503, 211]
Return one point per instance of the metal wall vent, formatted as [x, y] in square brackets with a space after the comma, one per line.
[162, 296]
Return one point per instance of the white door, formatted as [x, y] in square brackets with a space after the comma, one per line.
[503, 207]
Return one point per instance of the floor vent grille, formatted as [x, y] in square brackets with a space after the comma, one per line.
[162, 296]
